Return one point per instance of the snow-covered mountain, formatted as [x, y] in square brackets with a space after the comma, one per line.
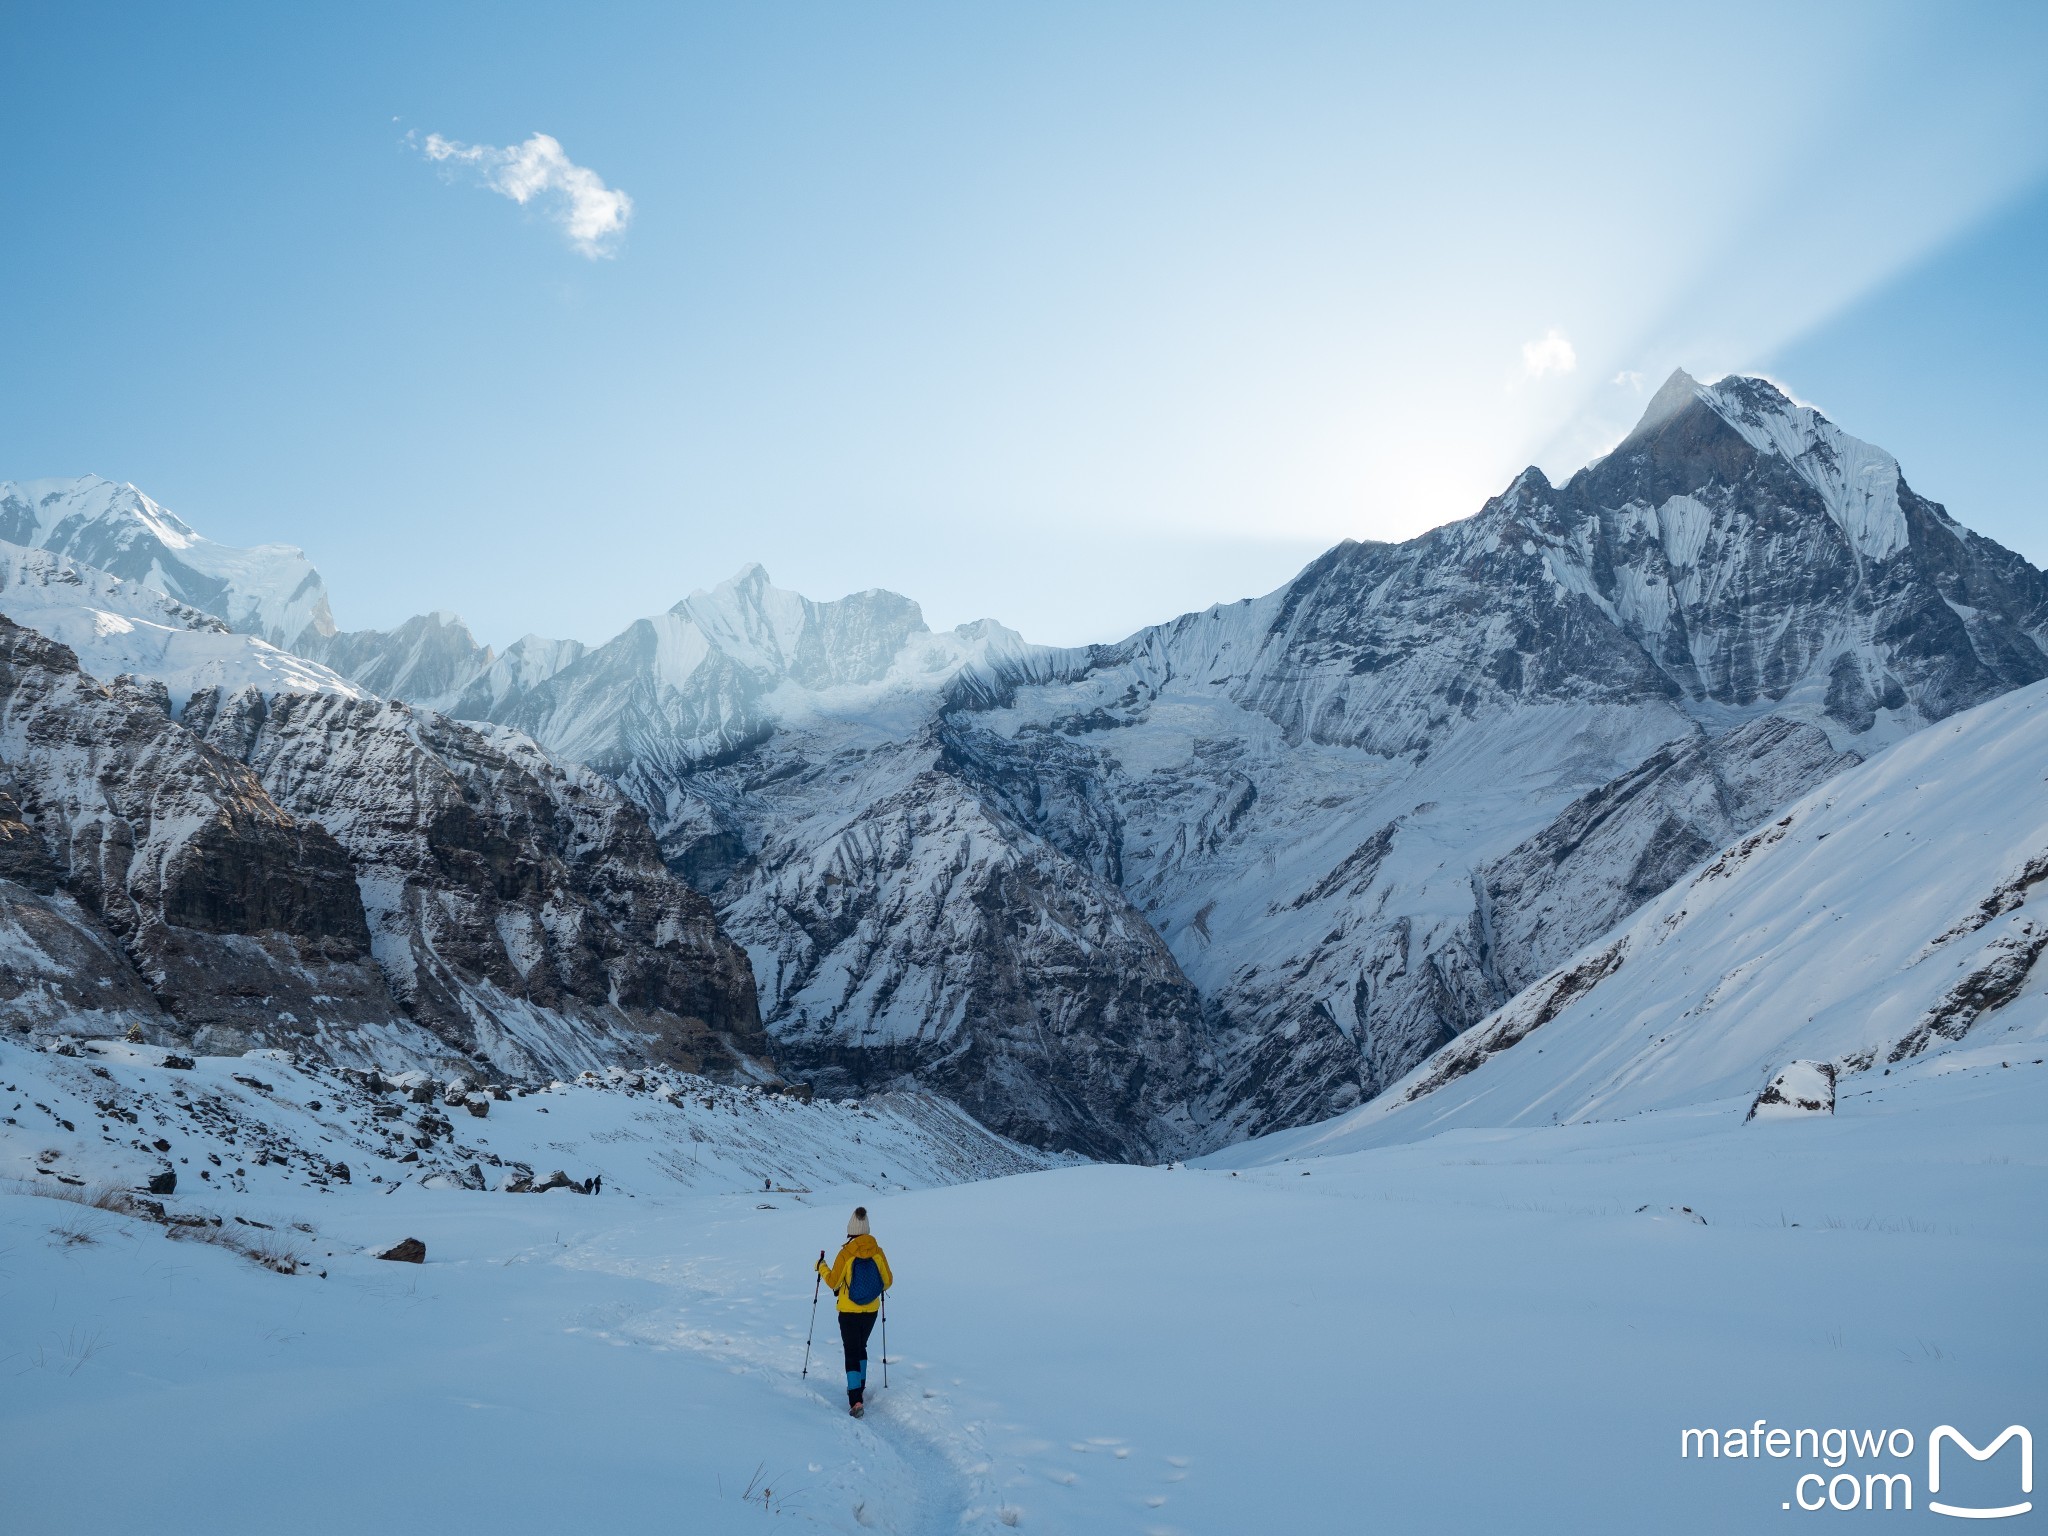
[1246, 868]
[115, 626]
[271, 590]
[1889, 914]
[1361, 812]
[725, 667]
[1368, 808]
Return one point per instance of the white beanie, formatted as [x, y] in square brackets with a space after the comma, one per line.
[857, 1224]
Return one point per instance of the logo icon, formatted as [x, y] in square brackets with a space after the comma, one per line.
[1966, 1512]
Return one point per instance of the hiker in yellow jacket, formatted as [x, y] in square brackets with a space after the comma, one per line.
[858, 1277]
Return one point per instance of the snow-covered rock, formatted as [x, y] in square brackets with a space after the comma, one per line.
[1804, 1088]
[240, 924]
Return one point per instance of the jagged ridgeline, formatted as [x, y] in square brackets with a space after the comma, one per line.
[1244, 869]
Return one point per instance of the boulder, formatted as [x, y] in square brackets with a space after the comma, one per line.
[477, 1105]
[179, 1063]
[1803, 1088]
[411, 1251]
[555, 1180]
[165, 1183]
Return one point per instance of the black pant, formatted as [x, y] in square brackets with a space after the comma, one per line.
[854, 1328]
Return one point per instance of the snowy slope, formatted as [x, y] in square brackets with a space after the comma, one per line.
[271, 590]
[275, 1125]
[116, 626]
[1882, 917]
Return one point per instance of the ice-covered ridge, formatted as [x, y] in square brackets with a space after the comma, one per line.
[271, 590]
[1856, 481]
[116, 627]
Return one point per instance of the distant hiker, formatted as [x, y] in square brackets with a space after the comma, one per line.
[858, 1277]
[597, 1183]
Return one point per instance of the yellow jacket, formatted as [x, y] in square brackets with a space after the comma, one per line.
[840, 1275]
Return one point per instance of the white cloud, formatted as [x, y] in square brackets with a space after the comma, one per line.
[593, 215]
[1630, 378]
[1553, 354]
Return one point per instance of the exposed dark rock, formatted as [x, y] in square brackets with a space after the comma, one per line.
[410, 1251]
[503, 882]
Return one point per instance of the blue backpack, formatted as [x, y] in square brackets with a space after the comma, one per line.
[864, 1284]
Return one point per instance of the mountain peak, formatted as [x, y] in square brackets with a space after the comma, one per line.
[1673, 396]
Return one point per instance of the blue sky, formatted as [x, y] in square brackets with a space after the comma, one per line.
[1077, 315]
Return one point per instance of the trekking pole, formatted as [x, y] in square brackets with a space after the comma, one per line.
[885, 1339]
[815, 1283]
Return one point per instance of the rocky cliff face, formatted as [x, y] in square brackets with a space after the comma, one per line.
[240, 923]
[518, 909]
[1617, 846]
[342, 875]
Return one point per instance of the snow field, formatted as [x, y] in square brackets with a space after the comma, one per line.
[1488, 1330]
